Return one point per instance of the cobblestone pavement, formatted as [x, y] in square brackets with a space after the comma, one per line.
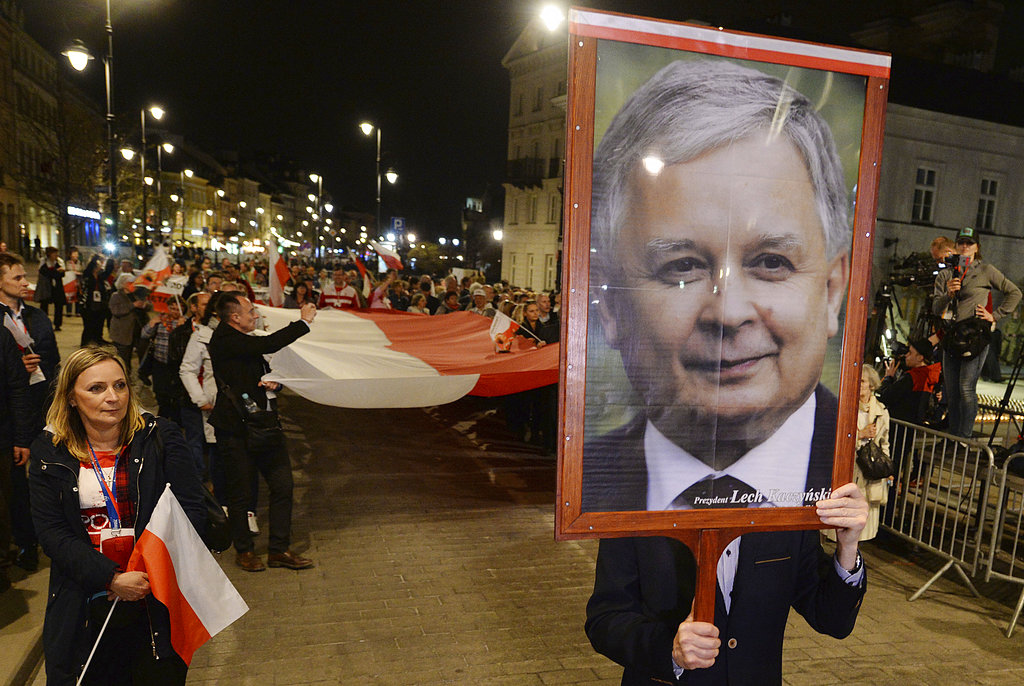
[436, 564]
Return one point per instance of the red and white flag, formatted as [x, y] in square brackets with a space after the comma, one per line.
[390, 257]
[362, 272]
[70, 283]
[185, 577]
[156, 270]
[389, 358]
[279, 274]
[502, 327]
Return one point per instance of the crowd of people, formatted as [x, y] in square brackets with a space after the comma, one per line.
[71, 432]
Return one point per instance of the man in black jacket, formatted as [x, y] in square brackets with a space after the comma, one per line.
[15, 434]
[40, 361]
[239, 367]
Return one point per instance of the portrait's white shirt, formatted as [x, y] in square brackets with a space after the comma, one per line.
[778, 465]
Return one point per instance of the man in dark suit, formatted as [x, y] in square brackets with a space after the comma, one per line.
[40, 361]
[719, 246]
[239, 366]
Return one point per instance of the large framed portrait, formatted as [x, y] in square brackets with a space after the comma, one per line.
[720, 204]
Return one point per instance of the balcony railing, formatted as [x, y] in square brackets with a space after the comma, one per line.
[530, 171]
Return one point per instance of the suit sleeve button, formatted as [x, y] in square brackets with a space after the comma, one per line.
[732, 643]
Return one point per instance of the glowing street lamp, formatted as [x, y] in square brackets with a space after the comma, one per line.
[79, 56]
[392, 176]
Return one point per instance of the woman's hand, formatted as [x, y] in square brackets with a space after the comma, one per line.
[869, 431]
[952, 287]
[982, 313]
[129, 586]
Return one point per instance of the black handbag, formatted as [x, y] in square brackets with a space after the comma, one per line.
[967, 338]
[874, 464]
[263, 428]
[217, 536]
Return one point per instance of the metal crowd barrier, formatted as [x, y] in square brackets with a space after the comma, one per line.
[939, 499]
[1006, 552]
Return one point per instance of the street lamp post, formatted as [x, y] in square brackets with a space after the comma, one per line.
[158, 114]
[79, 57]
[392, 176]
[159, 183]
[181, 191]
[318, 247]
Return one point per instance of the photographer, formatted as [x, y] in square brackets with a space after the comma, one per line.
[962, 293]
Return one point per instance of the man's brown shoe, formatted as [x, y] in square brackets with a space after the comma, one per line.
[250, 562]
[288, 559]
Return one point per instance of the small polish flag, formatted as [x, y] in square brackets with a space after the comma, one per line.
[362, 272]
[185, 577]
[279, 274]
[70, 283]
[390, 257]
[503, 328]
[156, 270]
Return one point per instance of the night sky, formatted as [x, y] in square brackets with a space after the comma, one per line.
[296, 77]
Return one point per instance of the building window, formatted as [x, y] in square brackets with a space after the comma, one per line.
[513, 212]
[554, 205]
[538, 102]
[549, 272]
[533, 209]
[987, 205]
[519, 104]
[924, 196]
[530, 276]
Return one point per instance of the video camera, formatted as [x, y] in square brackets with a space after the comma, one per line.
[915, 270]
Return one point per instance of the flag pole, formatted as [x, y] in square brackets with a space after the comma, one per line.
[523, 328]
[97, 643]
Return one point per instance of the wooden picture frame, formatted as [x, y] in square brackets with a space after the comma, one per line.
[611, 57]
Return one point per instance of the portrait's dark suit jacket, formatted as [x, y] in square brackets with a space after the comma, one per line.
[644, 587]
[615, 471]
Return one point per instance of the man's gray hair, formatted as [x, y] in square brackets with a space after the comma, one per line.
[692, 107]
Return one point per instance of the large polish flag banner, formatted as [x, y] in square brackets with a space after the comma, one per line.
[185, 577]
[385, 358]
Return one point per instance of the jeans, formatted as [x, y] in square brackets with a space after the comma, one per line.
[240, 464]
[960, 376]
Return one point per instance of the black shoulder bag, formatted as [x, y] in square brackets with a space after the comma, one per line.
[262, 427]
[874, 464]
[217, 536]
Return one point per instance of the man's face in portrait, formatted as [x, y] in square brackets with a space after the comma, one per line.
[726, 298]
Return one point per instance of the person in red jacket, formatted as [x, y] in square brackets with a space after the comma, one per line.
[339, 295]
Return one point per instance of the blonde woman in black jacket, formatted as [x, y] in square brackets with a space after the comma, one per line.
[96, 475]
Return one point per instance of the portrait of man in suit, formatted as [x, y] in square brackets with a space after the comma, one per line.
[720, 252]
